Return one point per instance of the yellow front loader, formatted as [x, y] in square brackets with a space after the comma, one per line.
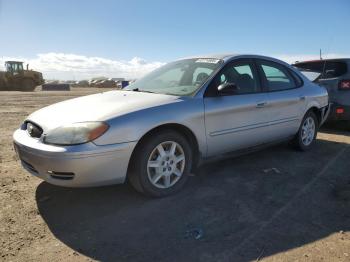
[16, 78]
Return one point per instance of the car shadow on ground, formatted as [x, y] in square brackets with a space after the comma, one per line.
[337, 128]
[236, 209]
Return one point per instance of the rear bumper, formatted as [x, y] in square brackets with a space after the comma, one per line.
[337, 116]
[73, 166]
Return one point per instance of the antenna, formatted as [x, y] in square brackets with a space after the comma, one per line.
[325, 62]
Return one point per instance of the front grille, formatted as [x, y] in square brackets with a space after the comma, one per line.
[33, 129]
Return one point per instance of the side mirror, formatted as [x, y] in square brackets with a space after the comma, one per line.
[227, 88]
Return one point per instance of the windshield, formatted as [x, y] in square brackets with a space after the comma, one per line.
[14, 67]
[180, 78]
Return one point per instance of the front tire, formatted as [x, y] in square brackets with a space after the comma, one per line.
[161, 164]
[307, 133]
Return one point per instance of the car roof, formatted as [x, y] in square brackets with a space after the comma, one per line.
[213, 56]
[321, 60]
[229, 56]
[13, 62]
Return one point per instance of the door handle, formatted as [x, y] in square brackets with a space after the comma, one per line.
[302, 97]
[261, 104]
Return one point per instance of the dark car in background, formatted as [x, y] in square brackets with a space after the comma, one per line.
[334, 74]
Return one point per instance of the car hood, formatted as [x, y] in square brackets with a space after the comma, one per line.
[97, 107]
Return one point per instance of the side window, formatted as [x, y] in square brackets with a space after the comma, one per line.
[15, 69]
[276, 76]
[298, 80]
[242, 74]
[244, 69]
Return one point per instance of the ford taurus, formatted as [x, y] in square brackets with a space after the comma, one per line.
[158, 129]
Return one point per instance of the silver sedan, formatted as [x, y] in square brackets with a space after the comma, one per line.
[157, 130]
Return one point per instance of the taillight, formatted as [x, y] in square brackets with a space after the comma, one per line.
[339, 110]
[344, 85]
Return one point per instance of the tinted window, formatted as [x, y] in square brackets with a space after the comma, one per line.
[276, 76]
[324, 69]
[334, 69]
[297, 78]
[242, 74]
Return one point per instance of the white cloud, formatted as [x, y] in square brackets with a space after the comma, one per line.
[63, 66]
[70, 66]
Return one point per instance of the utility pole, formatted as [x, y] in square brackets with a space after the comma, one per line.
[320, 54]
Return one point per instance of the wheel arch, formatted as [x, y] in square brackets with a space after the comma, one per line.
[317, 111]
[181, 129]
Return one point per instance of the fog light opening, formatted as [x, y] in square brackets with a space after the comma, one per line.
[61, 175]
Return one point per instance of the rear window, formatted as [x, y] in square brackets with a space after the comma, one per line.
[276, 76]
[322, 69]
[297, 78]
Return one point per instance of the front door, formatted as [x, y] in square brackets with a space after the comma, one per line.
[236, 119]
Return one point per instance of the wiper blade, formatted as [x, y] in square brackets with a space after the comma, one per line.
[140, 90]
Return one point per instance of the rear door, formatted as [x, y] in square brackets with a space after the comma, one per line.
[286, 102]
[238, 119]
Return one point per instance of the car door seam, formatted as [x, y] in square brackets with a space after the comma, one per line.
[253, 126]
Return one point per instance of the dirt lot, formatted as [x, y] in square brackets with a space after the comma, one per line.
[234, 210]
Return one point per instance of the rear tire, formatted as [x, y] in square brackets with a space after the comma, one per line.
[307, 132]
[161, 164]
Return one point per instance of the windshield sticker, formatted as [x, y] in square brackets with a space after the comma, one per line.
[208, 60]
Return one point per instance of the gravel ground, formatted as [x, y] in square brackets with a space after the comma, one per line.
[273, 205]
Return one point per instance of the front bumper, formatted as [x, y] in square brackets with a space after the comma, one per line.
[74, 166]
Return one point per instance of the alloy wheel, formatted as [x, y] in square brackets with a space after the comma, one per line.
[308, 131]
[166, 164]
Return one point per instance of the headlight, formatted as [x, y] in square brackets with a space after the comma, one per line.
[76, 133]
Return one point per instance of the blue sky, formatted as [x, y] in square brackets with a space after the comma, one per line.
[165, 30]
